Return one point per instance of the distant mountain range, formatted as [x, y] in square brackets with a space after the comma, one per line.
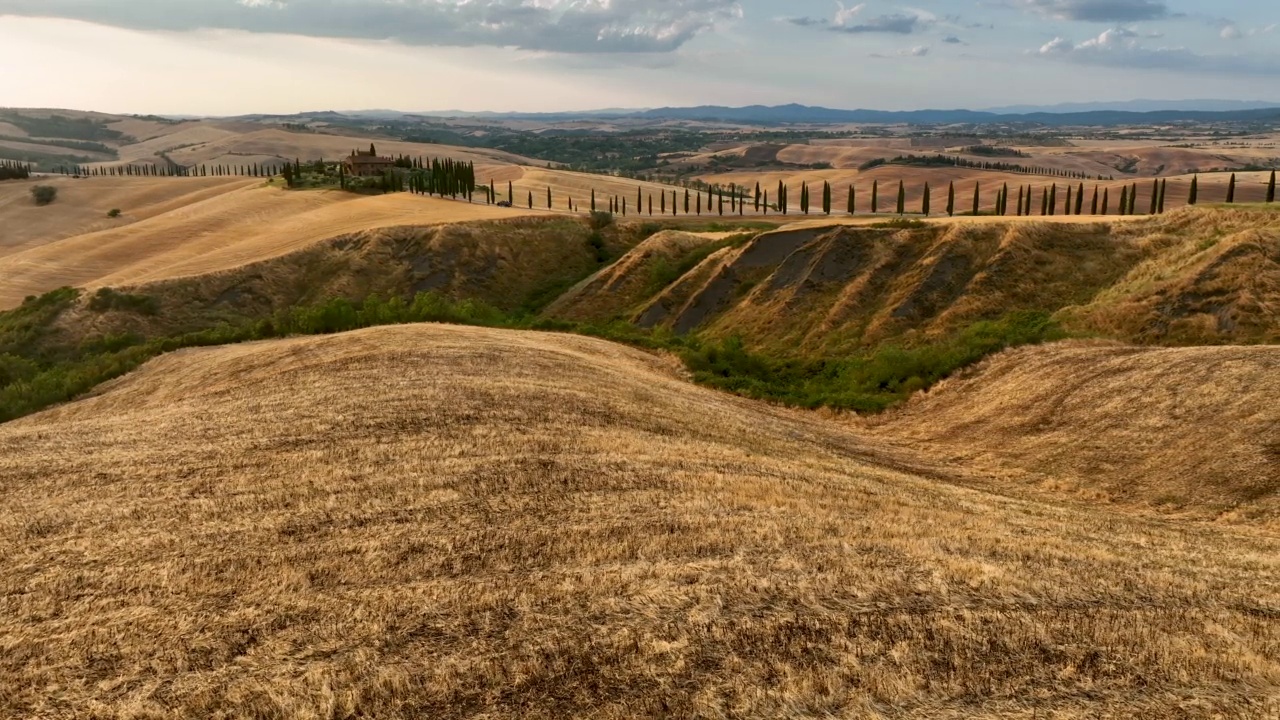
[1095, 114]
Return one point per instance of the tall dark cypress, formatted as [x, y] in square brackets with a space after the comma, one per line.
[1053, 199]
[1155, 197]
[764, 203]
[1164, 185]
[1093, 209]
[686, 209]
[826, 198]
[548, 197]
[1004, 199]
[1231, 189]
[1191, 195]
[977, 199]
[662, 203]
[1106, 201]
[875, 196]
[1271, 188]
[530, 199]
[924, 204]
[511, 193]
[1124, 200]
[852, 206]
[1020, 201]
[951, 199]
[1044, 202]
[1133, 199]
[686, 201]
[902, 198]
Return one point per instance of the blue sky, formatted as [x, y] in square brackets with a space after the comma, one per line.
[231, 56]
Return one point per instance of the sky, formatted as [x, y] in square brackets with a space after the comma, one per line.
[225, 57]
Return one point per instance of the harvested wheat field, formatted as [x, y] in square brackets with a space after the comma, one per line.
[1190, 431]
[249, 223]
[83, 204]
[447, 522]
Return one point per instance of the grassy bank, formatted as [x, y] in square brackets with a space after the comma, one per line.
[39, 369]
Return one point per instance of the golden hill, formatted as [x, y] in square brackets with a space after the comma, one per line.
[235, 223]
[1189, 430]
[1195, 276]
[83, 204]
[448, 522]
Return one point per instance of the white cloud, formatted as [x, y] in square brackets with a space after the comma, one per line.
[1230, 32]
[567, 26]
[1121, 48]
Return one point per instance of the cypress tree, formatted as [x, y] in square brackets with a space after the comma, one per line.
[826, 197]
[1271, 188]
[902, 198]
[1133, 199]
[662, 203]
[719, 202]
[1231, 189]
[1004, 200]
[852, 205]
[924, 204]
[1155, 197]
[781, 195]
[1093, 208]
[1124, 200]
[511, 193]
[1044, 202]
[951, 199]
[530, 199]
[1191, 196]
[875, 196]
[977, 199]
[765, 203]
[548, 197]
[757, 198]
[1080, 199]
[673, 203]
[593, 199]
[493, 192]
[698, 198]
[1164, 186]
[686, 201]
[1053, 199]
[1106, 201]
[650, 204]
[1067, 209]
[1019, 201]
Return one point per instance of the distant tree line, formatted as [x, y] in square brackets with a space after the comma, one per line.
[953, 161]
[10, 170]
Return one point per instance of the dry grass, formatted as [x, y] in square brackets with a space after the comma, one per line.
[450, 522]
[243, 222]
[1182, 431]
[82, 205]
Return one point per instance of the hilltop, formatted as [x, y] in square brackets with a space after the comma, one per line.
[452, 522]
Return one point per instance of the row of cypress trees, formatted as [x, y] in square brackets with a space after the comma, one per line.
[10, 170]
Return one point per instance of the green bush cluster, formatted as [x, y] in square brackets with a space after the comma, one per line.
[36, 371]
[867, 383]
[108, 299]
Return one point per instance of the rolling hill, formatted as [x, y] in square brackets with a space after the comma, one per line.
[457, 522]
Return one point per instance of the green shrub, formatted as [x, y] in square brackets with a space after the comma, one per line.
[107, 299]
[113, 213]
[44, 194]
[600, 220]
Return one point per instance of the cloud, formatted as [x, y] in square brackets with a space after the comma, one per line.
[563, 26]
[1100, 10]
[804, 21]
[917, 51]
[952, 40]
[1121, 48]
[900, 24]
[1230, 32]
